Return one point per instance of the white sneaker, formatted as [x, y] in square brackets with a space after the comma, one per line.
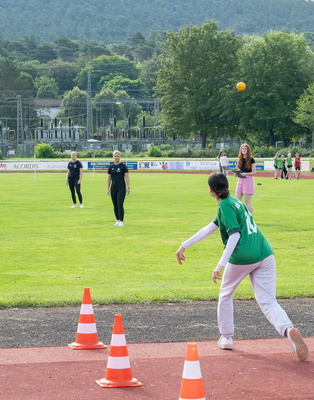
[74, 206]
[225, 343]
[117, 223]
[120, 223]
[82, 205]
[297, 343]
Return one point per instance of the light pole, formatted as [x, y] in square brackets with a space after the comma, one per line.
[89, 124]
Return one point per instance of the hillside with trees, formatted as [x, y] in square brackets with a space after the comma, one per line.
[112, 21]
[181, 82]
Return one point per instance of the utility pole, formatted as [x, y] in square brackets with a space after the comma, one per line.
[19, 121]
[89, 124]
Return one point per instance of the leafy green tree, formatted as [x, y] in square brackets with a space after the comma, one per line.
[63, 72]
[92, 49]
[44, 53]
[47, 88]
[195, 65]
[25, 84]
[66, 48]
[74, 104]
[304, 113]
[276, 68]
[149, 70]
[44, 150]
[106, 68]
[135, 88]
[9, 75]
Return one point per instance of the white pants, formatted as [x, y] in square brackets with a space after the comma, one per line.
[263, 280]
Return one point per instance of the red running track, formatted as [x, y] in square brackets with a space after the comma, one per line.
[256, 370]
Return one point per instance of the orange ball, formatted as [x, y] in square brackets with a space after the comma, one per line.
[241, 86]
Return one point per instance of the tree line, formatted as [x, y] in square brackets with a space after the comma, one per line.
[113, 21]
[192, 73]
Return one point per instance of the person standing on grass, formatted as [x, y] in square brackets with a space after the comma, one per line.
[245, 186]
[224, 163]
[284, 172]
[218, 159]
[247, 252]
[74, 179]
[118, 185]
[275, 165]
[297, 165]
[289, 165]
[279, 167]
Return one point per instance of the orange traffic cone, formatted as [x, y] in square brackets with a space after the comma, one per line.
[118, 372]
[86, 337]
[192, 384]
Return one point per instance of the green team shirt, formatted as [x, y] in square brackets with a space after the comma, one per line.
[289, 161]
[233, 216]
[279, 163]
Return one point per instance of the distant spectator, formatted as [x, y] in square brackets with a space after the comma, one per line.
[224, 163]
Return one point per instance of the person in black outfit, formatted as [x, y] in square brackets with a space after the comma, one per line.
[118, 185]
[74, 179]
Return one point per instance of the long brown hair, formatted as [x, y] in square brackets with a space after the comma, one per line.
[248, 159]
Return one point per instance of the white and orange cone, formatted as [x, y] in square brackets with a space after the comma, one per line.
[192, 384]
[118, 372]
[86, 336]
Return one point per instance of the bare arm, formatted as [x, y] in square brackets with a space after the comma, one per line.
[127, 181]
[81, 174]
[108, 184]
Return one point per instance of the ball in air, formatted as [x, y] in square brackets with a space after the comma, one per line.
[241, 86]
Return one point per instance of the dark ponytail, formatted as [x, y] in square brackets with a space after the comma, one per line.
[219, 184]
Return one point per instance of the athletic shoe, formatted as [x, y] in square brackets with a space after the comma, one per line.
[297, 343]
[82, 206]
[120, 223]
[117, 223]
[74, 206]
[225, 343]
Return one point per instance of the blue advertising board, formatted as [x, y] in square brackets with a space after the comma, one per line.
[103, 165]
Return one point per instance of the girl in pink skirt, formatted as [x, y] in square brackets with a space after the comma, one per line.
[245, 186]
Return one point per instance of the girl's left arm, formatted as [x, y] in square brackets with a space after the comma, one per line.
[231, 245]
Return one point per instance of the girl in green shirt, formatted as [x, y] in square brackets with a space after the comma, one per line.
[247, 252]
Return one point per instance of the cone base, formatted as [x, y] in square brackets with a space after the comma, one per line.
[79, 346]
[105, 383]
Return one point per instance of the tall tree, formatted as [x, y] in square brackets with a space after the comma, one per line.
[277, 68]
[195, 64]
[304, 114]
[74, 104]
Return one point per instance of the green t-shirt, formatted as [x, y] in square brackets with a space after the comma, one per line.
[289, 161]
[279, 162]
[233, 216]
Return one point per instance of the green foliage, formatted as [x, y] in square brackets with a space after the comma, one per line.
[47, 88]
[277, 68]
[73, 103]
[44, 150]
[121, 19]
[196, 63]
[154, 151]
[304, 114]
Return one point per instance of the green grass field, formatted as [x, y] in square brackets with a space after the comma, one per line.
[50, 252]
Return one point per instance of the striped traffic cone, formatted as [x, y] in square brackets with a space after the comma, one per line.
[86, 337]
[192, 384]
[118, 372]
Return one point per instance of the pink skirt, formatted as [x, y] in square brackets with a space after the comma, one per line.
[245, 185]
